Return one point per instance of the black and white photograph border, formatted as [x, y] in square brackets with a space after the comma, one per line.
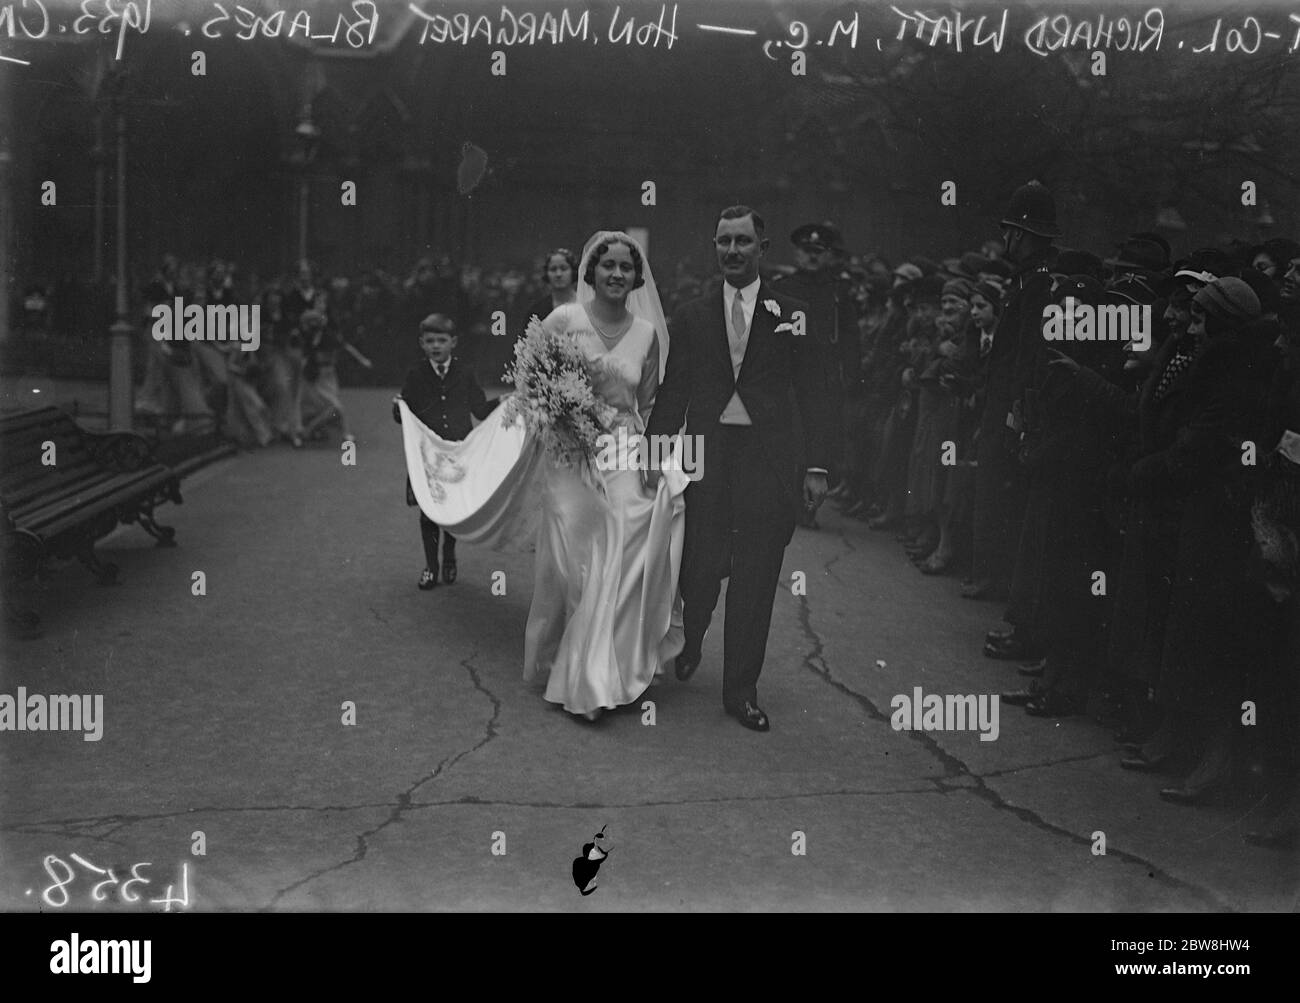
[332, 583]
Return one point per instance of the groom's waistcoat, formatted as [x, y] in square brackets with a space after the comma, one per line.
[781, 382]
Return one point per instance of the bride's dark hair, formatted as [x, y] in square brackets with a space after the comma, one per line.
[589, 275]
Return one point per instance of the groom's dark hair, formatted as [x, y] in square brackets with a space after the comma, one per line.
[740, 212]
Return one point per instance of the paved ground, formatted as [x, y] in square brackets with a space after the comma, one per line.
[222, 716]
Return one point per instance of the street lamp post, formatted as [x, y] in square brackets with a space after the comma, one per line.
[303, 198]
[119, 360]
[308, 135]
[98, 157]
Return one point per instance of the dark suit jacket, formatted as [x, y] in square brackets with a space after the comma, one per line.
[781, 384]
[1018, 351]
[444, 405]
[833, 323]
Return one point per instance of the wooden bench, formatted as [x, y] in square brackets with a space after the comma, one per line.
[62, 488]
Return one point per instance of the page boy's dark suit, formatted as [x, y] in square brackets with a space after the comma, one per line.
[444, 403]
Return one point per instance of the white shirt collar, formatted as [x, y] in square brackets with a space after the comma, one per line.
[750, 292]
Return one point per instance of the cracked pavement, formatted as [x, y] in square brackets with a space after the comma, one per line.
[223, 716]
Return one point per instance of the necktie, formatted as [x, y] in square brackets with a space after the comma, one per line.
[442, 371]
[738, 331]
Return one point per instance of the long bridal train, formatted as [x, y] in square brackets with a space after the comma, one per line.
[605, 617]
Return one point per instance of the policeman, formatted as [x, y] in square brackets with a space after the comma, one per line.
[1016, 364]
[832, 325]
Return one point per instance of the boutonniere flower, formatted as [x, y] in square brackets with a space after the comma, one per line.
[772, 307]
[784, 327]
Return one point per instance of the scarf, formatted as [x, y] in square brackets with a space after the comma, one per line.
[1178, 364]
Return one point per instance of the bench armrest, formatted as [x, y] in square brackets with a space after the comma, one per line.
[120, 451]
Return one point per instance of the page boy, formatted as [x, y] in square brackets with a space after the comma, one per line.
[443, 393]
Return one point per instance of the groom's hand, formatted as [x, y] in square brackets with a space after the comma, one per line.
[814, 490]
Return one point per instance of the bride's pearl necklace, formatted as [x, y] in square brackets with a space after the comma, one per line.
[601, 331]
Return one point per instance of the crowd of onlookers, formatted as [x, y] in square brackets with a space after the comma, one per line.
[1136, 507]
[288, 388]
[359, 330]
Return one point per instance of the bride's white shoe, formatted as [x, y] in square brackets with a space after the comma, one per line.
[592, 715]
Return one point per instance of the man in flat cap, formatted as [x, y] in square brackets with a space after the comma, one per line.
[832, 326]
[1018, 354]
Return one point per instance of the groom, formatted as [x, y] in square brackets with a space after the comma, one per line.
[738, 364]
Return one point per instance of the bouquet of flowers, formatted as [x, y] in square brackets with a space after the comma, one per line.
[554, 396]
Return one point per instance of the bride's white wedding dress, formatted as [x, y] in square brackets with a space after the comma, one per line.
[605, 616]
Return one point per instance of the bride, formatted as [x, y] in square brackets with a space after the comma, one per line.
[604, 619]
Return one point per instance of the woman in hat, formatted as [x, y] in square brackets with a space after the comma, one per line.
[1216, 628]
[1146, 421]
[1196, 493]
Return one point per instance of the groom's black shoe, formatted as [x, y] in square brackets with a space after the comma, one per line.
[448, 570]
[750, 716]
[686, 664]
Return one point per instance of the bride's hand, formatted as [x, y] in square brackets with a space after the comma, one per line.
[650, 479]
